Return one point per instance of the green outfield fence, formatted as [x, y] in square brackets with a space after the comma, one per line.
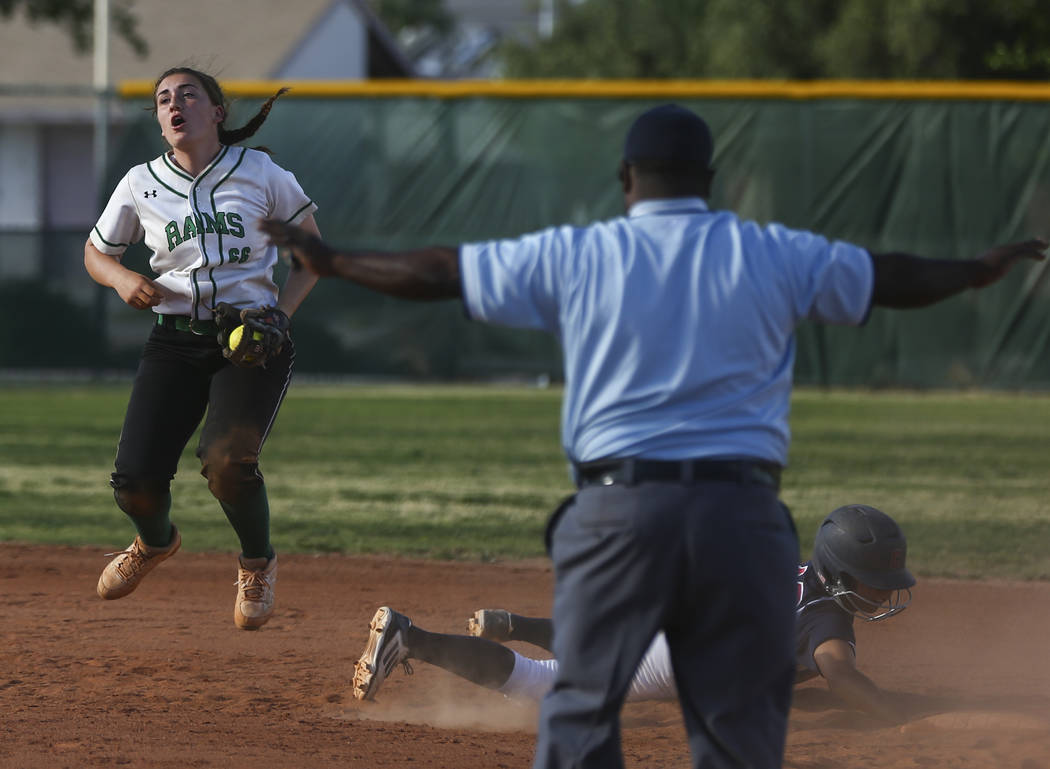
[940, 169]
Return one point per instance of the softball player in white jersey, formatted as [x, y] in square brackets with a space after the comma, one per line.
[197, 208]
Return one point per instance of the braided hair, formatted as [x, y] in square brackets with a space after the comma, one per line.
[215, 96]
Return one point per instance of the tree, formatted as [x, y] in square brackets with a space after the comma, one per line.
[797, 39]
[77, 17]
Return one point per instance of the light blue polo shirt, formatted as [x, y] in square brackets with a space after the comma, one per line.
[677, 323]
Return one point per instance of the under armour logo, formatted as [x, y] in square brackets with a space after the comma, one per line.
[149, 193]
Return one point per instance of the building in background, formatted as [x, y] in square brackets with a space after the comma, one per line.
[478, 28]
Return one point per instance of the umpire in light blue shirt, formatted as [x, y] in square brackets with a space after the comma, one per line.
[677, 325]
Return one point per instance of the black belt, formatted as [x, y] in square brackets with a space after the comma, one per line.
[186, 323]
[633, 471]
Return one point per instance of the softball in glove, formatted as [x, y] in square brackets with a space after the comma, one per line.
[252, 336]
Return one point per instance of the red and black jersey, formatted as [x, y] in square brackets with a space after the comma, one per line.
[818, 619]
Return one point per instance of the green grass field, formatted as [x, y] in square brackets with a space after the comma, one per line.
[472, 472]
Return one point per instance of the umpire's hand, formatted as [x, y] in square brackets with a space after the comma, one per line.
[308, 250]
[998, 260]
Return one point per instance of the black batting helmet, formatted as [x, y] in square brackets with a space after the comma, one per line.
[861, 545]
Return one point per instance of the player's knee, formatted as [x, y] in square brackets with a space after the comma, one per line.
[231, 481]
[140, 497]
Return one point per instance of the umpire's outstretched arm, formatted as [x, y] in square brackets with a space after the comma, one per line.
[904, 281]
[421, 274]
[901, 280]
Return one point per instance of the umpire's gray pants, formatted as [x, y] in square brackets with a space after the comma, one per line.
[714, 565]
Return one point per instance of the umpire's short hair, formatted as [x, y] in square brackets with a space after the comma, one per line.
[669, 139]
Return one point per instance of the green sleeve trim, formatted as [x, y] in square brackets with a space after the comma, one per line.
[111, 245]
[292, 217]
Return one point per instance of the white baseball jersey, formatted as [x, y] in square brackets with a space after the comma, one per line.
[203, 232]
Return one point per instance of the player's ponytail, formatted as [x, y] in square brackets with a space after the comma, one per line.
[240, 134]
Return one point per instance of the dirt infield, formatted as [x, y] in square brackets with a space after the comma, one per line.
[163, 679]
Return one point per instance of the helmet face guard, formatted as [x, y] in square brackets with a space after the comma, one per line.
[856, 546]
[866, 609]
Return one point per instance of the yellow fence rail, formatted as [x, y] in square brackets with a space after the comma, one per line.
[631, 89]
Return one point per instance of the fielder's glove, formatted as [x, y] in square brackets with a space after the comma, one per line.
[252, 336]
[227, 318]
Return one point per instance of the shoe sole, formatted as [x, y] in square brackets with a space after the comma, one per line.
[249, 623]
[113, 593]
[370, 671]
